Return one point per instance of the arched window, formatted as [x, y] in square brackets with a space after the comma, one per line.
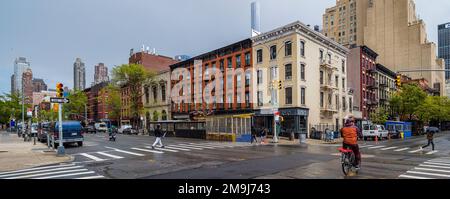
[155, 116]
[164, 115]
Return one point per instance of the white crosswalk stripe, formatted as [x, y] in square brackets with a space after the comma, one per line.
[376, 147]
[92, 157]
[148, 150]
[52, 172]
[177, 148]
[429, 170]
[110, 155]
[127, 152]
[415, 151]
[162, 149]
[365, 146]
[204, 147]
[209, 145]
[402, 149]
[187, 147]
[432, 152]
[389, 148]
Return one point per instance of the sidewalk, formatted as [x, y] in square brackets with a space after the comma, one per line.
[16, 154]
[284, 141]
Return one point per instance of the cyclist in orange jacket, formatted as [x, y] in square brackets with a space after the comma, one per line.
[350, 133]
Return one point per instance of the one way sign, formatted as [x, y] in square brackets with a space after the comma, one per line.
[59, 100]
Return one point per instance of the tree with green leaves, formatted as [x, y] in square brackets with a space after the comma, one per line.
[132, 76]
[113, 100]
[76, 106]
[11, 107]
[406, 101]
[379, 116]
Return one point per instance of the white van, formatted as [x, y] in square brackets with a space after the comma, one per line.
[101, 127]
[373, 131]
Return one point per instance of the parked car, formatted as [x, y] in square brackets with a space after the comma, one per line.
[101, 127]
[90, 128]
[375, 130]
[127, 129]
[72, 133]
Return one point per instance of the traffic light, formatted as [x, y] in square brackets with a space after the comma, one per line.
[280, 85]
[55, 107]
[398, 81]
[59, 90]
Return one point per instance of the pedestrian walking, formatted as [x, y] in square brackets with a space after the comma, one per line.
[158, 135]
[430, 136]
[263, 135]
[254, 134]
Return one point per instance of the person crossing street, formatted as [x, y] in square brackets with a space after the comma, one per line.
[158, 135]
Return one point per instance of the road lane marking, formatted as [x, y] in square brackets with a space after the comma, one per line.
[205, 147]
[364, 146]
[430, 174]
[434, 166]
[181, 149]
[161, 149]
[92, 157]
[403, 149]
[187, 147]
[65, 175]
[431, 152]
[39, 171]
[110, 155]
[46, 174]
[90, 177]
[414, 177]
[37, 168]
[427, 169]
[376, 147]
[415, 151]
[435, 163]
[439, 161]
[146, 150]
[385, 149]
[127, 152]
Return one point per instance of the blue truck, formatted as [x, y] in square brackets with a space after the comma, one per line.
[72, 133]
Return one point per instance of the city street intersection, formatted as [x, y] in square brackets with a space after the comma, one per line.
[131, 157]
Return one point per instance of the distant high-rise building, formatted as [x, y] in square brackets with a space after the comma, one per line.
[256, 22]
[39, 85]
[101, 73]
[27, 82]
[444, 46]
[182, 57]
[20, 64]
[79, 75]
[12, 84]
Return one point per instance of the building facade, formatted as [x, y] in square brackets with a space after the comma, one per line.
[156, 98]
[101, 73]
[97, 107]
[42, 96]
[392, 29]
[20, 65]
[152, 63]
[444, 46]
[79, 75]
[363, 80]
[312, 69]
[386, 86]
[225, 113]
[39, 85]
[27, 82]
[12, 84]
[340, 22]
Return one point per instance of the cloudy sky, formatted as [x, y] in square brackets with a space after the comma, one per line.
[52, 33]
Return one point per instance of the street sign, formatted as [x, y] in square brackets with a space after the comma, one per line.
[59, 100]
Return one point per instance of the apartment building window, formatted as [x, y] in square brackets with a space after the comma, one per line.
[155, 93]
[273, 52]
[288, 48]
[350, 104]
[163, 92]
[343, 66]
[343, 84]
[247, 99]
[238, 81]
[303, 96]
[229, 62]
[259, 76]
[247, 79]
[321, 99]
[321, 77]
[147, 95]
[229, 101]
[330, 98]
[336, 81]
[329, 58]
[288, 71]
[259, 56]
[344, 104]
[288, 95]
[260, 98]
[302, 71]
[238, 61]
[273, 73]
[221, 65]
[321, 54]
[247, 59]
[302, 48]
[337, 101]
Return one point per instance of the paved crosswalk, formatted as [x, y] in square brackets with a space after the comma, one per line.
[438, 168]
[409, 150]
[61, 171]
[116, 153]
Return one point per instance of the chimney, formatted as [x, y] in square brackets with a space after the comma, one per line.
[316, 28]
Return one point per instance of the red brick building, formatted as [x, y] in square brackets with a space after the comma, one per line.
[27, 82]
[237, 55]
[97, 107]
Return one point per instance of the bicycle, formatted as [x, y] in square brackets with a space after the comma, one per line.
[347, 161]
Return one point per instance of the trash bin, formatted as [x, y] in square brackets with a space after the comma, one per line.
[302, 138]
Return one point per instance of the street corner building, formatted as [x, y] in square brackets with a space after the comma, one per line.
[311, 69]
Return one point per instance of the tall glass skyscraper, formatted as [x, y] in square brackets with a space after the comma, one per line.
[444, 46]
[20, 64]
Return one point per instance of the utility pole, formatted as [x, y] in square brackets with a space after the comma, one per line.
[23, 110]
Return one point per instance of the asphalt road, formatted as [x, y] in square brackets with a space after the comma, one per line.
[131, 157]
